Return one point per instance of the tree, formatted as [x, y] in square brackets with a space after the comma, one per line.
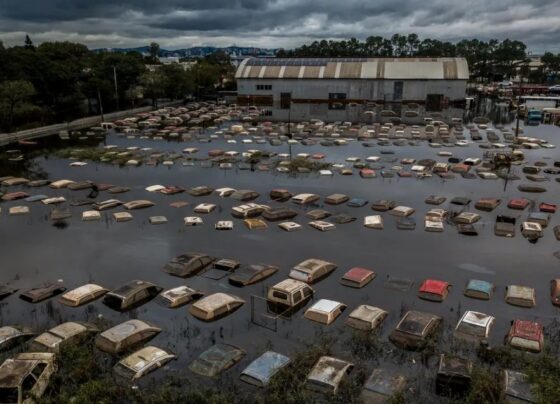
[14, 97]
[154, 53]
[175, 81]
[507, 55]
[28, 43]
[152, 82]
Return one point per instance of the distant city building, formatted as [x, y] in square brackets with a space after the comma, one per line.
[341, 89]
[186, 65]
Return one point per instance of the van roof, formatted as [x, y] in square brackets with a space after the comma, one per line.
[289, 285]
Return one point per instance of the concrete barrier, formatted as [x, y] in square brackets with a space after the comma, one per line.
[82, 123]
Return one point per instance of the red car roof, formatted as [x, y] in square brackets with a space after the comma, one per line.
[434, 286]
[527, 330]
[518, 202]
[357, 274]
[547, 207]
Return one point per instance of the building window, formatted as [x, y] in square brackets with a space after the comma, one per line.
[285, 100]
[337, 100]
[264, 87]
[266, 112]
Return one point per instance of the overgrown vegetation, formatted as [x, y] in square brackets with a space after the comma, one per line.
[61, 81]
[84, 376]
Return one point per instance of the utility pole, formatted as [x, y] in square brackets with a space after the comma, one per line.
[518, 106]
[116, 90]
[100, 104]
[290, 128]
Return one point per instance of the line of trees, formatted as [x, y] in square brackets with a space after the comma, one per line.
[488, 60]
[61, 81]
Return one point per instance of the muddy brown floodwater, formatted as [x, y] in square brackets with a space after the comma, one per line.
[111, 253]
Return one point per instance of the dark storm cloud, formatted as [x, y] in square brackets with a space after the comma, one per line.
[275, 23]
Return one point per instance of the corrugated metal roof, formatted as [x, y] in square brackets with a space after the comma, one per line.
[355, 68]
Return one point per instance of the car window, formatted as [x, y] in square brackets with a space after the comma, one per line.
[27, 386]
[307, 292]
[280, 295]
[297, 297]
[38, 370]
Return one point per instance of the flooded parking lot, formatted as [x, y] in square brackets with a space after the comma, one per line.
[110, 253]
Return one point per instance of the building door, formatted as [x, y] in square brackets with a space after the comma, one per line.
[398, 90]
[434, 102]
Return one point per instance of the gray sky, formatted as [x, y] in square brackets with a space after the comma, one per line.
[275, 23]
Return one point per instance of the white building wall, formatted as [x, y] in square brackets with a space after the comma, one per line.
[361, 90]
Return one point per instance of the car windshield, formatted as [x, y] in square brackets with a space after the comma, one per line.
[124, 371]
[471, 329]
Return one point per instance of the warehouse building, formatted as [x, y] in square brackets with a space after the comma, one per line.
[344, 89]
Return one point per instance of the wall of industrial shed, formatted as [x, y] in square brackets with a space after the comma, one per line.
[374, 90]
[310, 97]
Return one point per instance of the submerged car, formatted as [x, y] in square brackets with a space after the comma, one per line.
[555, 292]
[381, 386]
[278, 214]
[453, 376]
[138, 204]
[325, 311]
[251, 274]
[11, 336]
[280, 195]
[327, 374]
[505, 226]
[177, 297]
[522, 296]
[289, 295]
[221, 268]
[357, 277]
[249, 210]
[415, 329]
[142, 362]
[244, 195]
[82, 295]
[216, 359]
[516, 388]
[43, 292]
[365, 317]
[312, 270]
[131, 295]
[54, 338]
[262, 370]
[215, 306]
[24, 378]
[478, 289]
[6, 291]
[125, 336]
[434, 290]
[526, 336]
[188, 264]
[474, 326]
[305, 199]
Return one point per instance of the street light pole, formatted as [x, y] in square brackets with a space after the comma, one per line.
[290, 128]
[100, 104]
[116, 90]
[518, 105]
